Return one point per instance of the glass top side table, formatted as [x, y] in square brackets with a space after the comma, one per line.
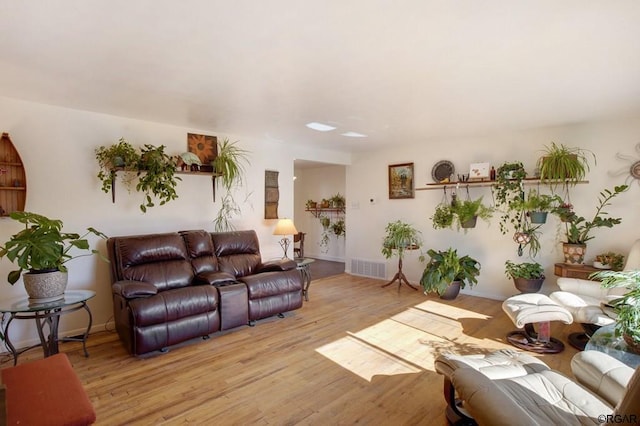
[303, 266]
[605, 340]
[47, 317]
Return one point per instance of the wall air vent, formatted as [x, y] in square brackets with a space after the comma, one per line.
[367, 268]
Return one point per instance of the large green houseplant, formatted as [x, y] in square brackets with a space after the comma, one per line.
[578, 230]
[562, 164]
[627, 307]
[447, 272]
[43, 249]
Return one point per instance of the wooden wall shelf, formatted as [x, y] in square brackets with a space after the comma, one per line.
[485, 183]
[318, 211]
[13, 180]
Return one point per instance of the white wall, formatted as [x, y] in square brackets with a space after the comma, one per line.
[315, 184]
[57, 147]
[367, 178]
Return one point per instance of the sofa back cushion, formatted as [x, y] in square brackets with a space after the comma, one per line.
[200, 249]
[238, 252]
[159, 259]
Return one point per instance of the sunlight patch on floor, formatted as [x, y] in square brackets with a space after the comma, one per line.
[409, 341]
[363, 359]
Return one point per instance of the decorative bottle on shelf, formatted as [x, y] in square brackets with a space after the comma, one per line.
[492, 173]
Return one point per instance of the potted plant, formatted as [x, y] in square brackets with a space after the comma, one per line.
[537, 206]
[311, 205]
[325, 204]
[627, 307]
[609, 260]
[508, 190]
[578, 229]
[527, 276]
[400, 236]
[338, 228]
[467, 212]
[121, 156]
[443, 216]
[560, 163]
[43, 249]
[447, 272]
[337, 201]
[156, 176]
[527, 235]
[229, 169]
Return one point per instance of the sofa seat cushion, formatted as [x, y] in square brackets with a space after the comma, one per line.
[172, 305]
[269, 284]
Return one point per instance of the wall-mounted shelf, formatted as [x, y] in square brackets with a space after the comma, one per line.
[485, 183]
[13, 181]
[317, 212]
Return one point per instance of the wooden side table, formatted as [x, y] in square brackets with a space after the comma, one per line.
[574, 271]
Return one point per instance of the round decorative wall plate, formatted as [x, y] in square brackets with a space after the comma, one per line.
[442, 170]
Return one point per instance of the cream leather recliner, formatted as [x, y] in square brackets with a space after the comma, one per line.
[586, 300]
[512, 388]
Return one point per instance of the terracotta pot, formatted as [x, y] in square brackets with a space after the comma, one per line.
[632, 345]
[452, 291]
[574, 253]
[45, 286]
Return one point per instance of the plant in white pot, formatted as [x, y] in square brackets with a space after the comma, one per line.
[42, 249]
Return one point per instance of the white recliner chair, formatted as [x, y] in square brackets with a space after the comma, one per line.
[507, 387]
[586, 300]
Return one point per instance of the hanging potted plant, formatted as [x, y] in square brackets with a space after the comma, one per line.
[537, 206]
[508, 190]
[229, 169]
[627, 307]
[467, 212]
[562, 164]
[527, 276]
[447, 272]
[43, 249]
[119, 157]
[156, 176]
[338, 228]
[443, 216]
[324, 238]
[578, 229]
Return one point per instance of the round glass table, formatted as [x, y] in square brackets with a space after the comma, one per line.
[605, 340]
[47, 317]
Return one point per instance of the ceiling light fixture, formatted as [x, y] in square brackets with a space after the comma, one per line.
[320, 126]
[354, 135]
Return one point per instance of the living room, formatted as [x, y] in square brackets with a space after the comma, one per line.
[581, 84]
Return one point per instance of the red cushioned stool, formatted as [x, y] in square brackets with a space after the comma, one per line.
[46, 392]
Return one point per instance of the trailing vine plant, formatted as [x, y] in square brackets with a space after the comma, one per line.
[229, 166]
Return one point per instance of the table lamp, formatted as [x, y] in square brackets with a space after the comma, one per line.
[285, 227]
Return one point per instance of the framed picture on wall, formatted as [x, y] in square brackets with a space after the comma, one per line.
[401, 181]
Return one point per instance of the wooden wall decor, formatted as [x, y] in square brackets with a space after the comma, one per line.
[13, 180]
[271, 194]
[205, 147]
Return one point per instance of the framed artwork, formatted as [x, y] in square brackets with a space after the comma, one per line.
[479, 171]
[205, 147]
[271, 194]
[401, 181]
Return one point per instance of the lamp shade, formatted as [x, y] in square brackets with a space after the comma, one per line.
[285, 227]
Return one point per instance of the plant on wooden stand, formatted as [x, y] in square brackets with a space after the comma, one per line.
[578, 229]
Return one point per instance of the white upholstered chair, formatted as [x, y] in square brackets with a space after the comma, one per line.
[586, 300]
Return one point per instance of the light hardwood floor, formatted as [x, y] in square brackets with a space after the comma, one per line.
[355, 353]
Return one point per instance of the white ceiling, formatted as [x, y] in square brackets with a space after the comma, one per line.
[413, 71]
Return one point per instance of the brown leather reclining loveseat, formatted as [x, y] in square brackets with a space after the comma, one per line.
[171, 287]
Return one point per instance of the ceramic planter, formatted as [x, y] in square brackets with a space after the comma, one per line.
[538, 217]
[574, 253]
[45, 287]
[452, 291]
[470, 223]
[525, 285]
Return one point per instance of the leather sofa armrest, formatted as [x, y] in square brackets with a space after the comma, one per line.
[133, 289]
[277, 265]
[603, 374]
[488, 404]
[214, 278]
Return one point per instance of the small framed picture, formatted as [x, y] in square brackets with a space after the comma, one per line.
[401, 181]
[479, 171]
